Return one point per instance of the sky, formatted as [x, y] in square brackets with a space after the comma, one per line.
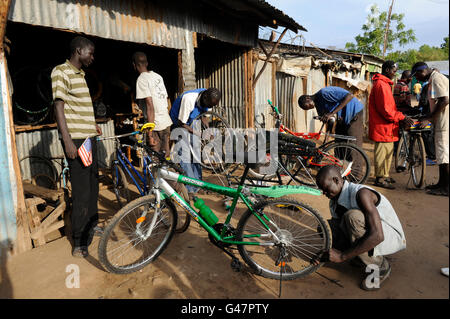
[336, 22]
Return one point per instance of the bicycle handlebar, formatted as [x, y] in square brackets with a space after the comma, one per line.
[117, 136]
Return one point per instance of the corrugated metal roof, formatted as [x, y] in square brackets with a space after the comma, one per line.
[258, 11]
[156, 23]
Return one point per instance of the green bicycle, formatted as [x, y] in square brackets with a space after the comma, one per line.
[278, 238]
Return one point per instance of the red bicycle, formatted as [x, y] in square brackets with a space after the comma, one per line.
[302, 163]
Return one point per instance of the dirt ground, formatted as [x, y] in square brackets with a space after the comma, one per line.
[192, 267]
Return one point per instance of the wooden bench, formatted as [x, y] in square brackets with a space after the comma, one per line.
[41, 226]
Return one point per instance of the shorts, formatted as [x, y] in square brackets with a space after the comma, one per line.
[161, 138]
[441, 146]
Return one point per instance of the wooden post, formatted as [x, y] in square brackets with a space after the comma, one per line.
[249, 89]
[268, 57]
[23, 240]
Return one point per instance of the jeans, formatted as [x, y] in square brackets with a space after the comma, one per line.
[193, 170]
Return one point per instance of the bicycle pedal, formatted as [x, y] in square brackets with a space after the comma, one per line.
[236, 265]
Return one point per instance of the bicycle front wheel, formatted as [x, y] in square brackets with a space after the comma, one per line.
[300, 229]
[400, 158]
[136, 235]
[417, 161]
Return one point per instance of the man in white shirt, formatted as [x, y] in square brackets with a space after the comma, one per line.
[152, 96]
[364, 226]
[438, 96]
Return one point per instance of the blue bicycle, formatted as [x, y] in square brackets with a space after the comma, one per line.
[123, 172]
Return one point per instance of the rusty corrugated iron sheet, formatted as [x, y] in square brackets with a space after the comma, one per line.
[131, 20]
[46, 143]
[226, 72]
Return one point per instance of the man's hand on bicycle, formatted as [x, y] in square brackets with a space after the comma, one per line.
[326, 117]
[407, 121]
[424, 122]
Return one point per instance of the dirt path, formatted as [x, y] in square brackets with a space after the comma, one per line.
[192, 268]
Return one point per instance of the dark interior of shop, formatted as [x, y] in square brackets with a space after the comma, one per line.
[34, 51]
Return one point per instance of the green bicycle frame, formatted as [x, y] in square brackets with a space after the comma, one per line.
[236, 194]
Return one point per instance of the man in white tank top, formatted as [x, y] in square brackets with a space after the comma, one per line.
[364, 226]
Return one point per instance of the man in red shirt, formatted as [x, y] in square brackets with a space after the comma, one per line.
[402, 94]
[384, 120]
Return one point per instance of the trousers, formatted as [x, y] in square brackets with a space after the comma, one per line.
[348, 231]
[84, 183]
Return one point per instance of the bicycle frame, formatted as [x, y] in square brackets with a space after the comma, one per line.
[126, 164]
[164, 190]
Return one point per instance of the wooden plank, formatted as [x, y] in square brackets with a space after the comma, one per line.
[36, 227]
[45, 193]
[27, 128]
[54, 215]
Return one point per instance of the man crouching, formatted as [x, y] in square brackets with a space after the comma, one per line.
[364, 226]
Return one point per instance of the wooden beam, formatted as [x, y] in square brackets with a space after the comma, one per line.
[268, 57]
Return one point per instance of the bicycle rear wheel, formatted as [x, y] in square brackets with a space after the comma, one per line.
[304, 233]
[417, 161]
[136, 235]
[352, 161]
[210, 158]
[120, 183]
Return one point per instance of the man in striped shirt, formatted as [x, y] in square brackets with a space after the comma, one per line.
[76, 122]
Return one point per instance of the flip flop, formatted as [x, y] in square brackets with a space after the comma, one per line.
[384, 184]
[438, 192]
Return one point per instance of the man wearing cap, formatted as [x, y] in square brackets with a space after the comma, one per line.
[438, 98]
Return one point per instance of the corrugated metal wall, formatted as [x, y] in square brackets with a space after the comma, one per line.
[263, 92]
[226, 72]
[46, 143]
[285, 87]
[140, 21]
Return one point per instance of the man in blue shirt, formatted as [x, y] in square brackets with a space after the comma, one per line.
[333, 100]
[184, 110]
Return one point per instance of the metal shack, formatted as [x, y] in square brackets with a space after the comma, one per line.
[190, 43]
[294, 70]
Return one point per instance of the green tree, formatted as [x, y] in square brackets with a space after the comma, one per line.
[372, 39]
[444, 46]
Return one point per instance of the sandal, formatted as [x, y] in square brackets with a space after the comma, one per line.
[390, 180]
[435, 186]
[438, 192]
[384, 184]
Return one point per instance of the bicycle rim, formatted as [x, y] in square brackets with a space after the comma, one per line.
[304, 232]
[40, 170]
[299, 169]
[418, 162]
[352, 161]
[128, 244]
[208, 156]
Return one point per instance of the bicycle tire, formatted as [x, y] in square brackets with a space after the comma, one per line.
[262, 258]
[116, 232]
[357, 175]
[418, 161]
[120, 183]
[400, 158]
[39, 168]
[222, 165]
